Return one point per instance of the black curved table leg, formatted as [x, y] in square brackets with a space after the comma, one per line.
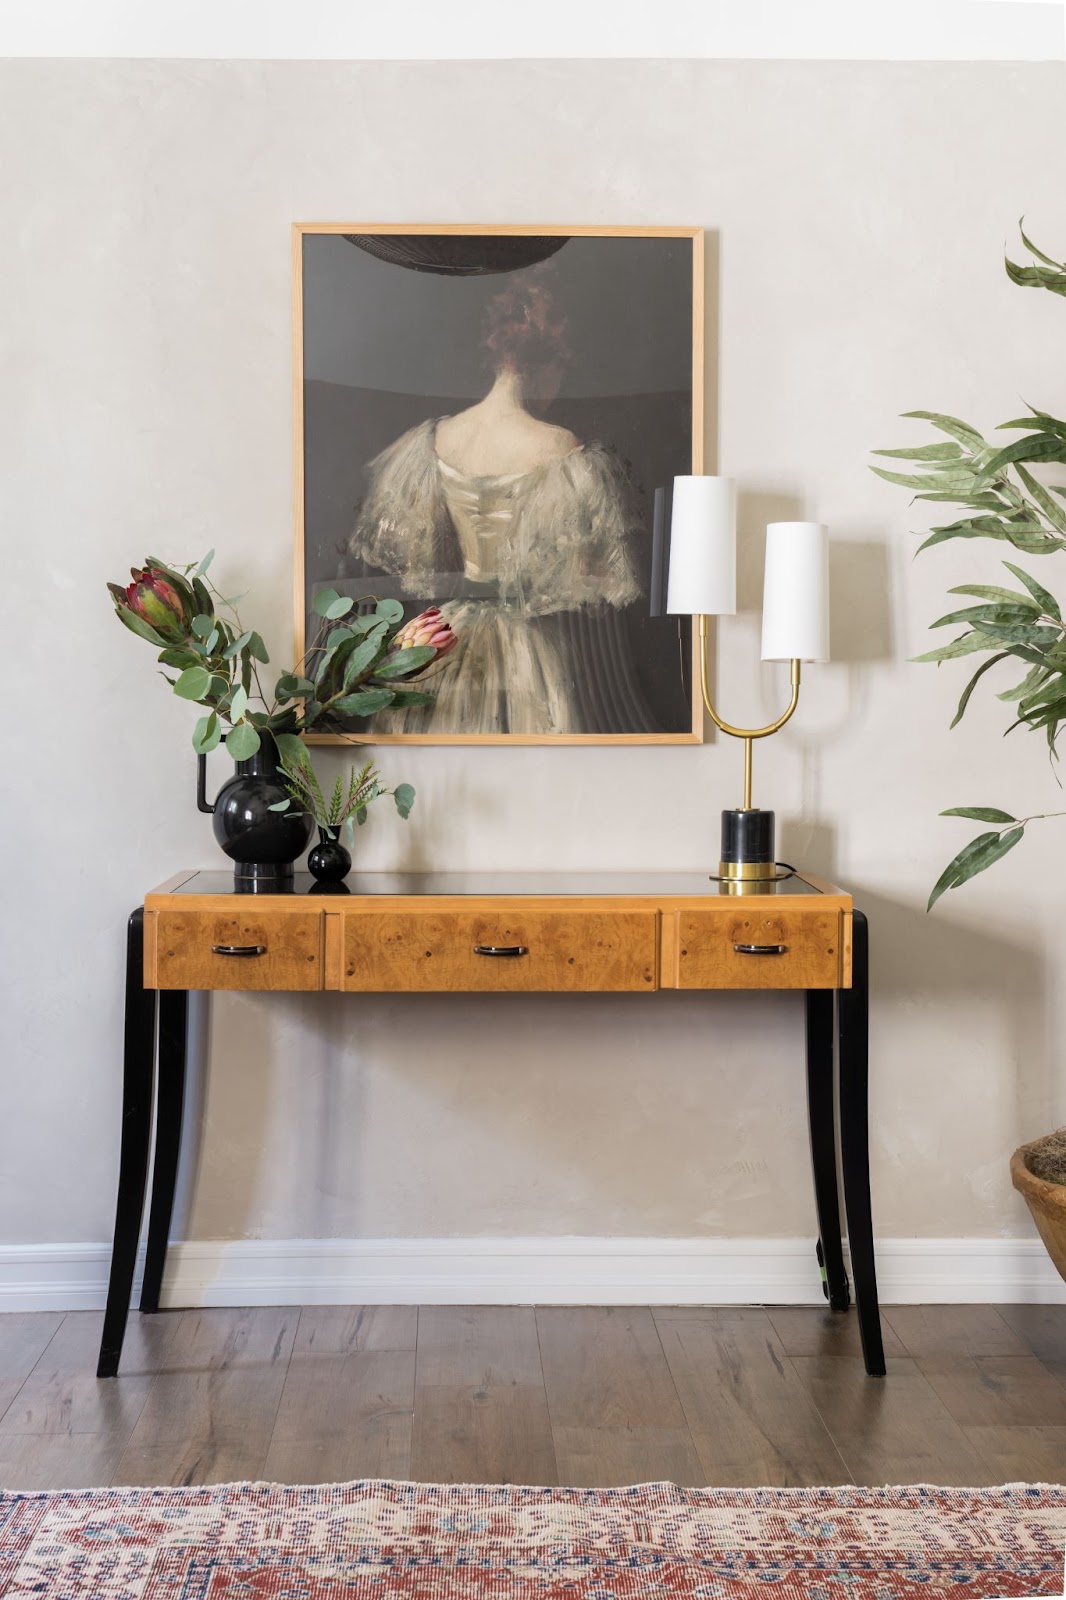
[821, 1114]
[138, 1083]
[170, 1098]
[853, 1015]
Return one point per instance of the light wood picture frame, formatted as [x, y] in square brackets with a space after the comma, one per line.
[489, 418]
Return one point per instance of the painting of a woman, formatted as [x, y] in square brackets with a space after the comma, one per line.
[538, 522]
[519, 515]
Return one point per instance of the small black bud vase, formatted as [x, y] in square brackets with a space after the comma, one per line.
[329, 861]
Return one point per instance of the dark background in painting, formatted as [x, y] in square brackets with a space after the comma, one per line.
[386, 347]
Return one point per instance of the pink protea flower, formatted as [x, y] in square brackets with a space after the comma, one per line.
[428, 628]
[152, 597]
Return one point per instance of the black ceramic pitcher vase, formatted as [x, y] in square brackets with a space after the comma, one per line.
[262, 844]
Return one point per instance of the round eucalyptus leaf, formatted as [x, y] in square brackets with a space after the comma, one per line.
[193, 683]
[243, 741]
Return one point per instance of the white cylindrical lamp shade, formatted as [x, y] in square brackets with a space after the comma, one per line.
[795, 606]
[703, 548]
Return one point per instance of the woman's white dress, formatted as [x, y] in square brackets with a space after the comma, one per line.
[531, 547]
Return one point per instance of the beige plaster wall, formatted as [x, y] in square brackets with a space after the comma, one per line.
[857, 214]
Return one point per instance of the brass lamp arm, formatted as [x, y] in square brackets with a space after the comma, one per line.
[747, 734]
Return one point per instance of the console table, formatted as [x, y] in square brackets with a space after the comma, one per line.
[491, 934]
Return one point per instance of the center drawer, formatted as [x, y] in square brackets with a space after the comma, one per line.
[249, 949]
[504, 951]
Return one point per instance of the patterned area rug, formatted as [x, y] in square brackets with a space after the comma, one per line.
[398, 1541]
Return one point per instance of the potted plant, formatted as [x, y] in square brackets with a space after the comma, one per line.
[336, 817]
[362, 659]
[1002, 494]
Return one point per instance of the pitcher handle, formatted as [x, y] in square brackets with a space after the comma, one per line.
[201, 786]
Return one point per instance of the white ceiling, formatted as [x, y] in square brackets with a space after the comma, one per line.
[899, 30]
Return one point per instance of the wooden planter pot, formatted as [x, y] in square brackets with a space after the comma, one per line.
[1047, 1202]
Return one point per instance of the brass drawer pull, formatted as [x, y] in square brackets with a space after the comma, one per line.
[501, 950]
[760, 949]
[238, 949]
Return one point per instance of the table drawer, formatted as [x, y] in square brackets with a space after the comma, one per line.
[775, 949]
[246, 949]
[446, 950]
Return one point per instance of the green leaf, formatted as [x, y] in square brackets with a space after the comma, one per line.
[142, 629]
[980, 854]
[204, 564]
[207, 734]
[281, 805]
[957, 530]
[328, 603]
[202, 596]
[1043, 597]
[389, 610]
[1034, 679]
[193, 683]
[1033, 251]
[257, 649]
[1037, 638]
[952, 425]
[412, 697]
[1051, 509]
[1004, 614]
[364, 624]
[364, 702]
[238, 704]
[202, 626]
[1046, 423]
[988, 500]
[404, 796]
[243, 741]
[980, 813]
[969, 689]
[943, 482]
[925, 452]
[177, 655]
[291, 686]
[402, 663]
[989, 591]
[362, 658]
[1036, 277]
[1034, 447]
[1032, 544]
[967, 644]
[235, 646]
[292, 749]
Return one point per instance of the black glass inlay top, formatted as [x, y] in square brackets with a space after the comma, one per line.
[506, 883]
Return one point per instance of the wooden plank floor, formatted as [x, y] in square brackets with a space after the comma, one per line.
[509, 1394]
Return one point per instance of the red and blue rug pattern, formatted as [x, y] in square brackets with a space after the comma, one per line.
[401, 1541]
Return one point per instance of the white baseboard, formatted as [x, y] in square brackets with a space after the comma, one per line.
[250, 1272]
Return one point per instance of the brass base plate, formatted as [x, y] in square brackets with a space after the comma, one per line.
[769, 872]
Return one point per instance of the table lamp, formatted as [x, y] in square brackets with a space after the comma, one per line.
[795, 628]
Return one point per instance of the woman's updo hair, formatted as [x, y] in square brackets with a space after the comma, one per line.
[524, 328]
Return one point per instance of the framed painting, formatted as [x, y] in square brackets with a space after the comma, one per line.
[488, 420]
